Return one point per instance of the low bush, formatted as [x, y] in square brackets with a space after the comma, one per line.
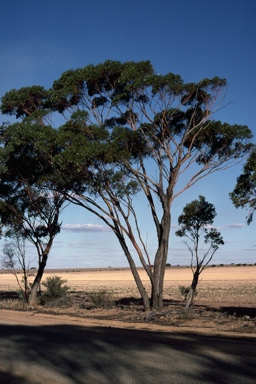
[102, 299]
[55, 289]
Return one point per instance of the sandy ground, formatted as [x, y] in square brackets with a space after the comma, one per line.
[226, 300]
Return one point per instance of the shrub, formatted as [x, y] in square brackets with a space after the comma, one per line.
[54, 289]
[102, 299]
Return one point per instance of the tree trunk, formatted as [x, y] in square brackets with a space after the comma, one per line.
[160, 262]
[36, 284]
[192, 289]
[135, 274]
[26, 285]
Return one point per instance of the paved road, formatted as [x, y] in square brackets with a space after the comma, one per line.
[70, 354]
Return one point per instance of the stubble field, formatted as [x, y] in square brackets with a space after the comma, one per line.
[226, 300]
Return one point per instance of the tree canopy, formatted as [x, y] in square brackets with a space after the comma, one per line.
[195, 221]
[244, 193]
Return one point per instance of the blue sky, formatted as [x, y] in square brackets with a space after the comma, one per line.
[194, 38]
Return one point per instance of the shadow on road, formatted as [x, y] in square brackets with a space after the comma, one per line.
[74, 354]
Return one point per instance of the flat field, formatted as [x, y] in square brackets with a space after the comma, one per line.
[218, 284]
[226, 299]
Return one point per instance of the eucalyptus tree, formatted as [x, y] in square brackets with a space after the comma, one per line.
[195, 223]
[26, 209]
[129, 129]
[244, 193]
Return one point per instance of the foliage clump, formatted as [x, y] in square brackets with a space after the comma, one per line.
[55, 289]
[244, 193]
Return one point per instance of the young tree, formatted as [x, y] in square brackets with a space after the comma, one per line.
[27, 209]
[244, 193]
[194, 224]
[129, 129]
[15, 258]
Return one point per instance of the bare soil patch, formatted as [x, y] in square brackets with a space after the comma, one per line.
[225, 303]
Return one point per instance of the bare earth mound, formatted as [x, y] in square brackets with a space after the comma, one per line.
[225, 303]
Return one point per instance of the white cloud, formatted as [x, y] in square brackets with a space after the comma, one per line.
[231, 226]
[85, 228]
[226, 227]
